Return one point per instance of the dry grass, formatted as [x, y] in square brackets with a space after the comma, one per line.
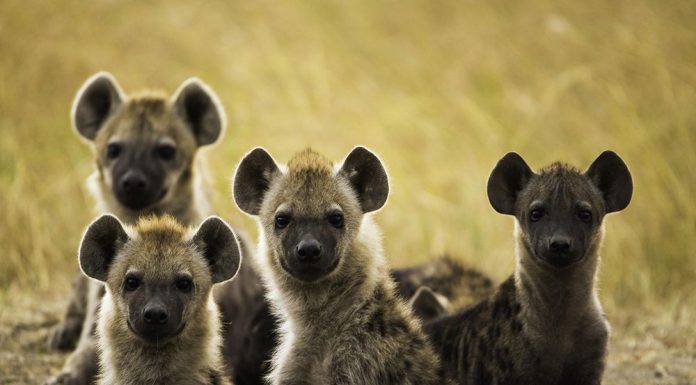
[440, 89]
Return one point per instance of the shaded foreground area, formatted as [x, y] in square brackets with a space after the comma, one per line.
[656, 353]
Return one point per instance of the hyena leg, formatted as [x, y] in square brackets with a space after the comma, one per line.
[81, 366]
[65, 335]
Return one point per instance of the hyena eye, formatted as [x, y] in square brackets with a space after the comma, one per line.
[113, 150]
[282, 221]
[131, 284]
[585, 215]
[536, 214]
[336, 220]
[185, 285]
[166, 152]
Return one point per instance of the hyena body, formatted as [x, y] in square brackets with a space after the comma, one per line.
[544, 325]
[321, 261]
[455, 285]
[158, 323]
[146, 163]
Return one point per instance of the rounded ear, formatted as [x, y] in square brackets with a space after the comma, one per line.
[367, 177]
[100, 244]
[95, 102]
[252, 179]
[200, 108]
[427, 305]
[507, 179]
[218, 243]
[611, 176]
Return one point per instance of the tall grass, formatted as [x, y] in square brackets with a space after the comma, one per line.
[440, 89]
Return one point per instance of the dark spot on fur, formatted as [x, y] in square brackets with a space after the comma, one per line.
[516, 326]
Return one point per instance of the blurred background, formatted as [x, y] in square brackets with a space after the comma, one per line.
[440, 89]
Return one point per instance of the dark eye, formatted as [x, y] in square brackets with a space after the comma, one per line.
[282, 221]
[336, 220]
[131, 284]
[585, 215]
[113, 150]
[536, 214]
[184, 285]
[166, 152]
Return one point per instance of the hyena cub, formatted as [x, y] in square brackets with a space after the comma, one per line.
[544, 325]
[145, 153]
[321, 260]
[158, 323]
[441, 285]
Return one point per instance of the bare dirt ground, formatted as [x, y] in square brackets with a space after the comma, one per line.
[652, 355]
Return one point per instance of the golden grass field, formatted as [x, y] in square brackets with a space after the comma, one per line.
[439, 89]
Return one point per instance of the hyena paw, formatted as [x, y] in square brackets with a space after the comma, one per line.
[65, 335]
[67, 378]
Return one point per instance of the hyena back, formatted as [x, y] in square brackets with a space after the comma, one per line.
[321, 260]
[544, 325]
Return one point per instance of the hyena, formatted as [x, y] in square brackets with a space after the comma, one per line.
[146, 153]
[454, 285]
[158, 323]
[321, 259]
[544, 325]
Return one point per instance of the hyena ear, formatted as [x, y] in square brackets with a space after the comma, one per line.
[95, 102]
[610, 174]
[218, 243]
[252, 179]
[427, 305]
[367, 176]
[100, 244]
[200, 108]
[507, 179]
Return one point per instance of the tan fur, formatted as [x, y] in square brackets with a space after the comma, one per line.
[348, 327]
[158, 248]
[142, 119]
[148, 117]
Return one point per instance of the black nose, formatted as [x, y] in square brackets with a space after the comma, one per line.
[308, 250]
[560, 244]
[133, 182]
[155, 315]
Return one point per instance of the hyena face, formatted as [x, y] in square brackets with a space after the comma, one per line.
[145, 145]
[560, 210]
[159, 277]
[312, 212]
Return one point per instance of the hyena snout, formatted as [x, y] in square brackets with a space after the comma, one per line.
[138, 189]
[560, 244]
[310, 256]
[155, 313]
[561, 250]
[308, 250]
[133, 182]
[157, 320]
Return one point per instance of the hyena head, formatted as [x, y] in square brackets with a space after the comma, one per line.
[560, 209]
[145, 145]
[158, 274]
[310, 212]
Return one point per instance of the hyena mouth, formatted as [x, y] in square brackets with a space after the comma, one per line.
[155, 336]
[142, 201]
[558, 261]
[309, 274]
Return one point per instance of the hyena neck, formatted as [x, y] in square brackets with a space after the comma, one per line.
[556, 299]
[193, 358]
[338, 297]
[188, 202]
